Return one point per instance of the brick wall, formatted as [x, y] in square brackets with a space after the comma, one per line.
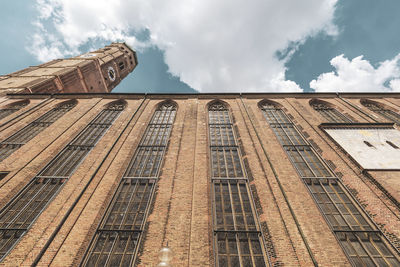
[294, 230]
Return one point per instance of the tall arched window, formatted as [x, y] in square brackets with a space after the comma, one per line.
[118, 236]
[17, 216]
[328, 111]
[21, 137]
[362, 241]
[237, 236]
[11, 108]
[382, 110]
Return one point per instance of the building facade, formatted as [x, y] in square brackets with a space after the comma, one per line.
[223, 180]
[94, 72]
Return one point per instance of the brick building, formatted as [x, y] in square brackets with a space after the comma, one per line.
[223, 179]
[94, 72]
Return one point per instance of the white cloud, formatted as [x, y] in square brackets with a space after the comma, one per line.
[224, 45]
[358, 75]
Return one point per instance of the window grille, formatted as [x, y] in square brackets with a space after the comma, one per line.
[10, 109]
[237, 237]
[21, 137]
[121, 229]
[21, 212]
[386, 113]
[361, 239]
[330, 113]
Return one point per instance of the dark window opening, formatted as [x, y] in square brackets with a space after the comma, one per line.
[368, 144]
[3, 175]
[121, 65]
[392, 145]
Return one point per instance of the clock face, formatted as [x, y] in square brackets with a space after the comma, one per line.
[111, 73]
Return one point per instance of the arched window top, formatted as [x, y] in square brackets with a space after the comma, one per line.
[373, 105]
[218, 112]
[12, 107]
[269, 104]
[17, 105]
[24, 135]
[167, 105]
[116, 105]
[382, 110]
[69, 104]
[165, 112]
[318, 104]
[328, 111]
[218, 105]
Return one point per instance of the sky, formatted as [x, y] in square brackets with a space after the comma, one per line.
[217, 46]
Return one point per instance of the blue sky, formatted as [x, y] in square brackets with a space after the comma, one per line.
[264, 45]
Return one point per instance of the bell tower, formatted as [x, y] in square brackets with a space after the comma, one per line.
[94, 72]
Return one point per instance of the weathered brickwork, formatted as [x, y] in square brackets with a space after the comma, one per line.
[294, 230]
[98, 71]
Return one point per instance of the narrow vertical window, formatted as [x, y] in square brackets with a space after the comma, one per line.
[361, 239]
[121, 65]
[21, 137]
[122, 227]
[10, 109]
[237, 237]
[329, 113]
[381, 110]
[21, 212]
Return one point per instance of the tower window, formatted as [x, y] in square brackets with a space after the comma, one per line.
[121, 65]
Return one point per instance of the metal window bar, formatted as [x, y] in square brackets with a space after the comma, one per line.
[11, 109]
[225, 162]
[307, 162]
[239, 249]
[21, 137]
[119, 233]
[237, 237]
[21, 212]
[233, 206]
[331, 114]
[386, 113]
[361, 240]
